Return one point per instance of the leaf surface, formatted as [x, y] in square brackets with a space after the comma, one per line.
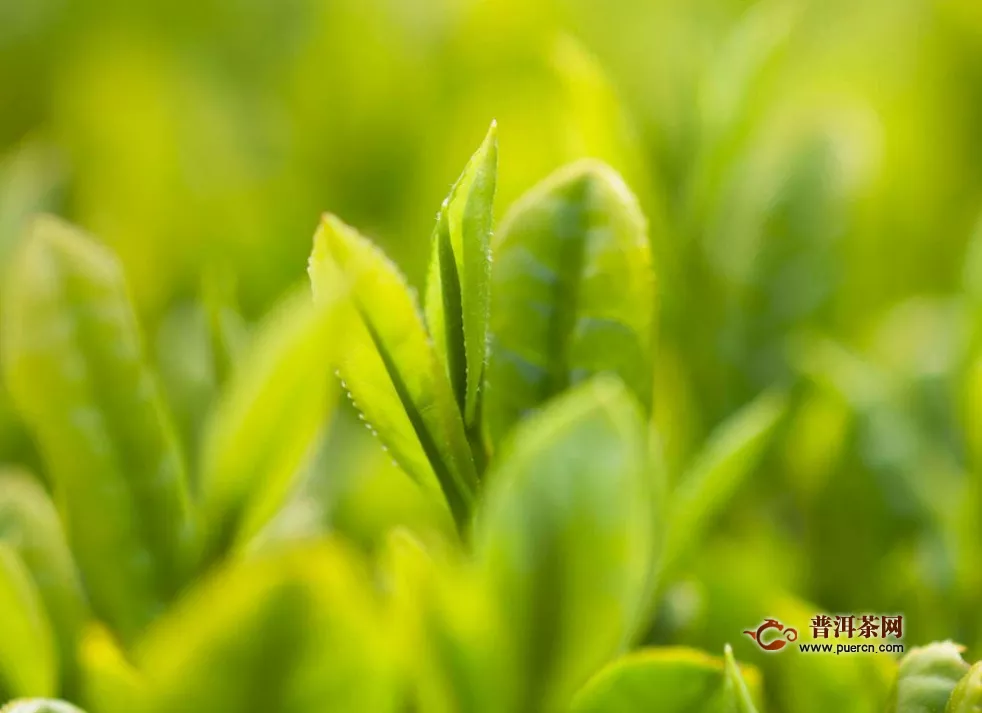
[294, 633]
[665, 679]
[28, 658]
[74, 362]
[572, 293]
[564, 538]
[390, 368]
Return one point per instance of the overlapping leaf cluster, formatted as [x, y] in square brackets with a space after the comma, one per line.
[518, 398]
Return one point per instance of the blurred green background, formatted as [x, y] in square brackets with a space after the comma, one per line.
[812, 173]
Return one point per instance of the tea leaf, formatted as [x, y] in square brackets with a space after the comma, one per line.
[667, 680]
[564, 538]
[390, 368]
[737, 694]
[73, 360]
[458, 294]
[967, 696]
[28, 660]
[572, 293]
[292, 634]
[279, 397]
[110, 683]
[29, 526]
[451, 636]
[729, 456]
[926, 678]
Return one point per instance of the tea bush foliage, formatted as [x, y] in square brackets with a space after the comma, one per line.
[700, 351]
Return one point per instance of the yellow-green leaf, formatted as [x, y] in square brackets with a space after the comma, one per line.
[39, 705]
[389, 365]
[29, 525]
[967, 696]
[278, 400]
[736, 693]
[728, 457]
[28, 658]
[450, 634]
[293, 633]
[564, 538]
[73, 360]
[110, 683]
[458, 294]
[572, 293]
[667, 680]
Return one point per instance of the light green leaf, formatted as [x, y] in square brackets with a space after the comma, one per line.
[278, 400]
[737, 695]
[110, 683]
[926, 678]
[450, 634]
[39, 705]
[295, 633]
[967, 696]
[564, 538]
[667, 680]
[389, 366]
[729, 456]
[29, 525]
[73, 360]
[28, 659]
[458, 294]
[572, 293]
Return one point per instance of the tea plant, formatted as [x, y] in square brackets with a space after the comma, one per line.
[518, 398]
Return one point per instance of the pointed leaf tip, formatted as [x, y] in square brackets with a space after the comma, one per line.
[738, 698]
[458, 295]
